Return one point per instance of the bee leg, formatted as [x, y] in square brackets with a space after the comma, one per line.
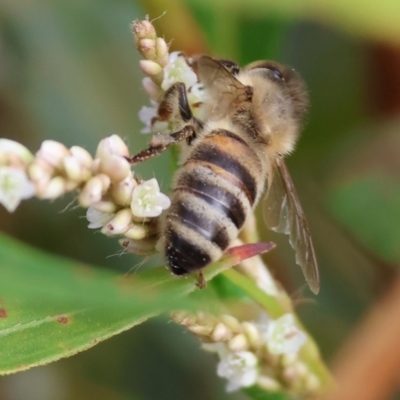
[201, 282]
[160, 143]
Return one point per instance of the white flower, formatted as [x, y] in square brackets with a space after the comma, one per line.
[177, 70]
[14, 187]
[147, 201]
[239, 368]
[96, 218]
[11, 148]
[283, 336]
[146, 115]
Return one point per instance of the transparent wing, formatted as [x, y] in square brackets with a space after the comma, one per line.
[221, 85]
[283, 213]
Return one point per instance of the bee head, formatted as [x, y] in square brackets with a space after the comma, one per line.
[287, 79]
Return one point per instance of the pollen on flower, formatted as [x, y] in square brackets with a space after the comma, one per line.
[148, 201]
[14, 187]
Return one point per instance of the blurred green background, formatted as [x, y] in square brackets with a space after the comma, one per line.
[69, 72]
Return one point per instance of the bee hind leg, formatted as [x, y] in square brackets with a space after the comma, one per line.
[160, 143]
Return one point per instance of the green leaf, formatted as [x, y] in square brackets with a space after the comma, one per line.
[52, 307]
[368, 18]
[256, 393]
[369, 207]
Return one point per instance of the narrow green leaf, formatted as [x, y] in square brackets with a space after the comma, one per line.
[52, 307]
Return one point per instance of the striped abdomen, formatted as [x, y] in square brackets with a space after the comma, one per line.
[214, 193]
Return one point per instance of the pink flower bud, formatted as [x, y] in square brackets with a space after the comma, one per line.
[162, 52]
[55, 188]
[112, 145]
[52, 152]
[91, 193]
[115, 166]
[82, 155]
[121, 192]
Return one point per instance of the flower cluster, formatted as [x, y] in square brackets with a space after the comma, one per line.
[117, 203]
[163, 70]
[264, 353]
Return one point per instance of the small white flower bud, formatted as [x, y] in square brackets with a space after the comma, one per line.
[52, 152]
[161, 51]
[105, 182]
[112, 145]
[121, 192]
[238, 343]
[91, 192]
[200, 330]
[82, 155]
[268, 384]
[105, 207]
[252, 334]
[150, 68]
[221, 333]
[148, 48]
[136, 232]
[40, 172]
[115, 166]
[54, 189]
[143, 29]
[72, 168]
[231, 322]
[119, 224]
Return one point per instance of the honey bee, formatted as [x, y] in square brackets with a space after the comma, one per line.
[253, 119]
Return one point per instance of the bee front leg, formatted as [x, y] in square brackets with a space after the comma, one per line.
[160, 143]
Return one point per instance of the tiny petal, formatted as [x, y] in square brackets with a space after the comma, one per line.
[52, 152]
[119, 224]
[283, 336]
[112, 145]
[147, 201]
[96, 218]
[8, 147]
[14, 187]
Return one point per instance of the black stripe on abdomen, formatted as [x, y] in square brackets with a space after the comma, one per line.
[182, 256]
[202, 224]
[212, 151]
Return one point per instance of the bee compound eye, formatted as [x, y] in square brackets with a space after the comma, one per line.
[275, 72]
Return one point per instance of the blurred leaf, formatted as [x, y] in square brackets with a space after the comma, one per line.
[257, 394]
[379, 20]
[369, 207]
[52, 307]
